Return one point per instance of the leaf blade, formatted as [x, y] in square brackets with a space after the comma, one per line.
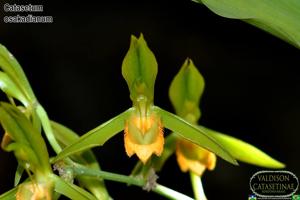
[70, 190]
[23, 133]
[261, 13]
[96, 186]
[11, 89]
[9, 195]
[11, 66]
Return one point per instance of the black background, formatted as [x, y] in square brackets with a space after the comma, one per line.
[74, 66]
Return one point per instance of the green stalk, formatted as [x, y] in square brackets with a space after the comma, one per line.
[169, 193]
[159, 189]
[197, 187]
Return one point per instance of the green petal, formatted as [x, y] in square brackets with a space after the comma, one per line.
[96, 137]
[194, 134]
[243, 151]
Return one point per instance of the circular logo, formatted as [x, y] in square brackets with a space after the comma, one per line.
[274, 184]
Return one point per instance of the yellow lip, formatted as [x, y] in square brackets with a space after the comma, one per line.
[143, 137]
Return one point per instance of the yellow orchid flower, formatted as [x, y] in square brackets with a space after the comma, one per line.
[191, 157]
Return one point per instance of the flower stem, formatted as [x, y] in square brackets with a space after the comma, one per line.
[197, 187]
[159, 189]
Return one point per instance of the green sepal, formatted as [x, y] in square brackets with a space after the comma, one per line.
[243, 151]
[186, 90]
[96, 137]
[139, 69]
[193, 134]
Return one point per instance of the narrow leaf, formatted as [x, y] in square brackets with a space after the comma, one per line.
[18, 174]
[193, 134]
[65, 137]
[10, 65]
[243, 151]
[10, 88]
[24, 134]
[70, 190]
[44, 119]
[9, 195]
[96, 137]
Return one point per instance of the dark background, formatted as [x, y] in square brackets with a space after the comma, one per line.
[74, 66]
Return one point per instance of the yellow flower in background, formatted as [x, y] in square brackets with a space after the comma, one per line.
[143, 136]
[191, 157]
[34, 191]
[185, 93]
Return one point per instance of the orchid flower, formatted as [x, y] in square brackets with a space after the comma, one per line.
[143, 123]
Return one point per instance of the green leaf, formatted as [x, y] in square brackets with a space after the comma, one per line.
[9, 195]
[10, 88]
[193, 134]
[70, 190]
[280, 18]
[66, 137]
[44, 119]
[139, 69]
[186, 90]
[18, 174]
[28, 142]
[243, 151]
[96, 137]
[12, 68]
